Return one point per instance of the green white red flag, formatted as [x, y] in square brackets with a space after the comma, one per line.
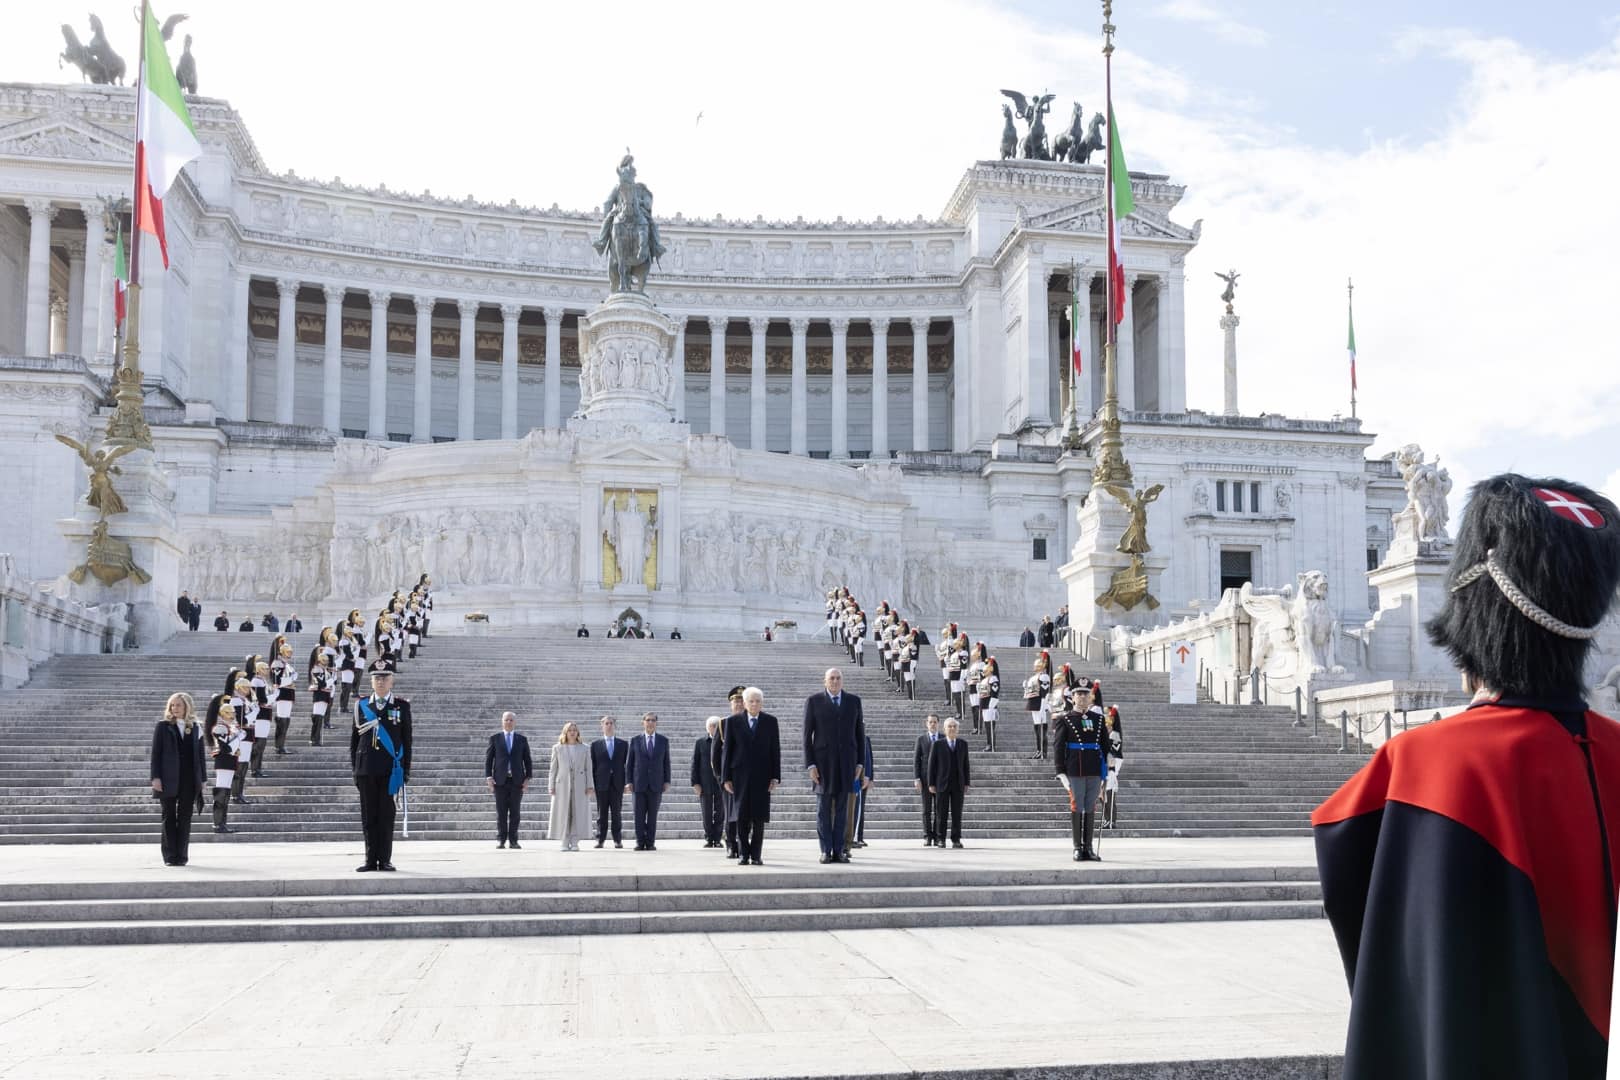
[1123, 205]
[120, 276]
[1074, 324]
[1352, 311]
[164, 136]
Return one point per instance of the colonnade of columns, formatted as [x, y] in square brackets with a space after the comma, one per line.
[1150, 379]
[286, 371]
[798, 424]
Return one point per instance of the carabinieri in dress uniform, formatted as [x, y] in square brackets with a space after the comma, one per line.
[380, 754]
[1081, 767]
[322, 680]
[225, 737]
[284, 674]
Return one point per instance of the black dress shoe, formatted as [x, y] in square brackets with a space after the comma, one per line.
[956, 843]
[224, 829]
[1093, 856]
[367, 867]
[743, 861]
[618, 843]
[825, 858]
[385, 866]
[843, 856]
[516, 845]
[928, 842]
[499, 844]
[652, 847]
[1079, 856]
[599, 843]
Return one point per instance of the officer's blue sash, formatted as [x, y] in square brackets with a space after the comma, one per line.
[396, 778]
[1092, 746]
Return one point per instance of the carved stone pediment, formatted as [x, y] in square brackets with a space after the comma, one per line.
[1087, 216]
[64, 139]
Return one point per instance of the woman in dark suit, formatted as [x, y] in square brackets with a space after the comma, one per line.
[179, 772]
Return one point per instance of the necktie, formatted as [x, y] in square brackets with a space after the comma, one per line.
[836, 699]
[610, 748]
[508, 743]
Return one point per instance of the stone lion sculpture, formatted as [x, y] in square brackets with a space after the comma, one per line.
[1294, 628]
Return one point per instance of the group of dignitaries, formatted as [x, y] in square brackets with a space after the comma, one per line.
[253, 714]
[736, 765]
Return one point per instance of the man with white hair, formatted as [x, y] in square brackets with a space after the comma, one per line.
[751, 767]
[706, 785]
[834, 733]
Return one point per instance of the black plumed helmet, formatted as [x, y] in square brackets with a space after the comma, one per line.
[1535, 571]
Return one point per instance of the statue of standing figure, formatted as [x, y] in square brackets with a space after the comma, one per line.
[1427, 488]
[629, 528]
[629, 235]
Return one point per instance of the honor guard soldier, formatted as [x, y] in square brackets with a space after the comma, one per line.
[380, 753]
[1077, 739]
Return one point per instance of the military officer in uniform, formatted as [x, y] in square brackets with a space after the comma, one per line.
[380, 753]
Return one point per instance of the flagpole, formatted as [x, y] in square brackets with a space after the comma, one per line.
[1111, 468]
[1350, 294]
[127, 425]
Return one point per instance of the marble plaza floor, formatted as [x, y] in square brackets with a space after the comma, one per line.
[1246, 999]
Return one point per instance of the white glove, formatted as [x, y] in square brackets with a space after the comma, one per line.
[1064, 780]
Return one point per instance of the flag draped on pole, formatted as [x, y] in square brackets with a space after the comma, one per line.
[1352, 346]
[1123, 205]
[120, 275]
[165, 138]
[1074, 323]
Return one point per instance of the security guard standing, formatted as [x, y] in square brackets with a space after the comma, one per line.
[380, 753]
[1077, 739]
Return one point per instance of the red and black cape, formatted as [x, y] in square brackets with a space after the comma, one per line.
[1468, 873]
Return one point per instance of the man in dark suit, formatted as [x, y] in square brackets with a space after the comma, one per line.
[224, 622]
[728, 802]
[706, 785]
[293, 625]
[646, 777]
[582, 632]
[380, 754]
[751, 770]
[919, 775]
[609, 755]
[949, 778]
[195, 621]
[1026, 640]
[1048, 632]
[507, 769]
[834, 731]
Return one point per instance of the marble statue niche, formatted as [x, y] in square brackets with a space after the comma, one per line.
[629, 538]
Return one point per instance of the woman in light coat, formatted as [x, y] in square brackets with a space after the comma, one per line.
[571, 790]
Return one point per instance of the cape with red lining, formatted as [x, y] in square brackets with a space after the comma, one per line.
[1464, 873]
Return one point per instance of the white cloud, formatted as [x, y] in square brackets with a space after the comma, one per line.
[1611, 486]
[1212, 18]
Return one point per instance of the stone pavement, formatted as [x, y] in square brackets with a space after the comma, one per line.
[1229, 999]
[901, 1002]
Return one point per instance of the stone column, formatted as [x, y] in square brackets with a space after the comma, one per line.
[59, 324]
[919, 384]
[757, 325]
[799, 429]
[332, 361]
[286, 338]
[237, 407]
[75, 301]
[840, 389]
[554, 318]
[37, 323]
[95, 242]
[961, 435]
[422, 405]
[1125, 348]
[377, 395]
[880, 389]
[1173, 340]
[1060, 366]
[1038, 374]
[466, 369]
[509, 380]
[1089, 360]
[1229, 325]
[680, 368]
[717, 374]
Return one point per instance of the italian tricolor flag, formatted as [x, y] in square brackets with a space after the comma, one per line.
[164, 137]
[120, 276]
[1352, 349]
[1119, 197]
[1074, 324]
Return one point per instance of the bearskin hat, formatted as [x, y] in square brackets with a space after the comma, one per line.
[1535, 570]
